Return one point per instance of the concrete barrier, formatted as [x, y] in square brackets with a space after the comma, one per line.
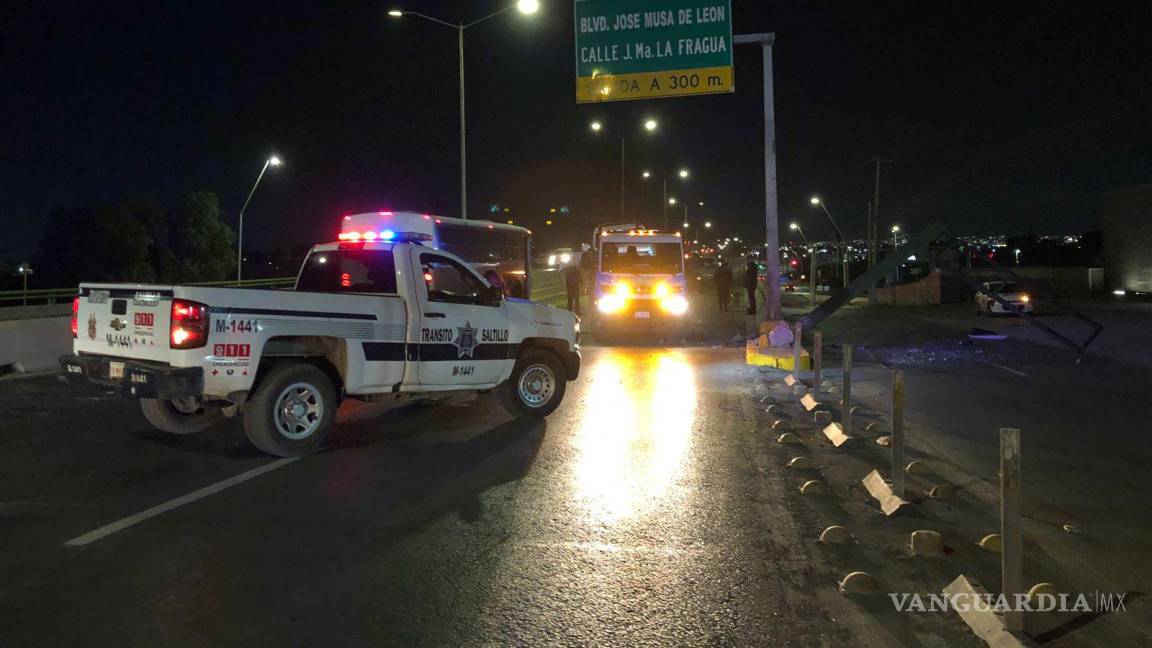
[33, 344]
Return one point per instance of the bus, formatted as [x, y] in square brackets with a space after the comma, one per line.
[485, 245]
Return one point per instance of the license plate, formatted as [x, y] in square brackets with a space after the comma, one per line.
[641, 314]
[115, 370]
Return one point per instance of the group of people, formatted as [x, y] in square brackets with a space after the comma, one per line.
[724, 278]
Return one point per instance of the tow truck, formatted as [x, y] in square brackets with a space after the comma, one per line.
[379, 314]
[640, 283]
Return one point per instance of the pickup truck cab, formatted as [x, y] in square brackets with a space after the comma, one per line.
[368, 319]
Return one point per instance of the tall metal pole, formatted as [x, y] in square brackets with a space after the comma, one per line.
[665, 181]
[622, 179]
[771, 205]
[463, 129]
[870, 235]
[240, 227]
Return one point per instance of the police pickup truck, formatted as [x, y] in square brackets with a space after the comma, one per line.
[382, 315]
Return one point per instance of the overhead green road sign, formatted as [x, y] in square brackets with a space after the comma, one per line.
[642, 49]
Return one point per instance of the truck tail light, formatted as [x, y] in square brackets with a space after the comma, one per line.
[75, 316]
[189, 327]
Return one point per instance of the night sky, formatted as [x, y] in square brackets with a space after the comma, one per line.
[1005, 117]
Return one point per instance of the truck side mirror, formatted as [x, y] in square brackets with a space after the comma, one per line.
[493, 295]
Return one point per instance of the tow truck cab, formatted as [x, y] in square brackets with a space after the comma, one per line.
[640, 282]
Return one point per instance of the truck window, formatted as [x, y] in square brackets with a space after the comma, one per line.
[449, 281]
[357, 271]
[641, 258]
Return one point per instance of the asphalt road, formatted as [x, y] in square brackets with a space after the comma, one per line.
[645, 511]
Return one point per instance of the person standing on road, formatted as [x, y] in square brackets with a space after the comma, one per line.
[572, 285]
[723, 279]
[751, 270]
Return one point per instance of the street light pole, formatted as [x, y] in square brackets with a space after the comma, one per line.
[816, 200]
[771, 207]
[25, 270]
[272, 161]
[895, 229]
[525, 7]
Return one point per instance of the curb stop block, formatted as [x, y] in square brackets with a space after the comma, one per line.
[982, 619]
[882, 492]
[835, 434]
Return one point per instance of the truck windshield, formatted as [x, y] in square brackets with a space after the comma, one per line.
[641, 258]
[360, 271]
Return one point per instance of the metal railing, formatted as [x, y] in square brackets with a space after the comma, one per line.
[57, 295]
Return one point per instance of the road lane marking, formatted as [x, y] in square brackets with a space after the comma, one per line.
[1008, 369]
[124, 523]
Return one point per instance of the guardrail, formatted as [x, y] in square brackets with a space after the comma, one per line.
[52, 295]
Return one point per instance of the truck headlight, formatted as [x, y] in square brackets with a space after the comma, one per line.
[611, 303]
[565, 258]
[551, 259]
[674, 304]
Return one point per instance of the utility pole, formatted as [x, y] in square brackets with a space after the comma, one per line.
[771, 206]
[873, 238]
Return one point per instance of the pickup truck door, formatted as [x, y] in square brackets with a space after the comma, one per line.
[462, 339]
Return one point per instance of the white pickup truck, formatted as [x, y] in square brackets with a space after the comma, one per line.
[371, 320]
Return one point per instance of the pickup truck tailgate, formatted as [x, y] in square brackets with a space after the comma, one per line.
[124, 320]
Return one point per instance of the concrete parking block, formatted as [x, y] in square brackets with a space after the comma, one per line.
[800, 463]
[822, 417]
[991, 542]
[926, 543]
[835, 434]
[814, 487]
[859, 583]
[787, 437]
[879, 489]
[983, 621]
[836, 535]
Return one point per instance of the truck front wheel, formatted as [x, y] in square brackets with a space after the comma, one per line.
[181, 416]
[536, 386]
[291, 411]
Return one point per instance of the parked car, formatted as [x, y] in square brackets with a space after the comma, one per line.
[1008, 291]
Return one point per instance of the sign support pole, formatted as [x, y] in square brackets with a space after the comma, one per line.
[771, 205]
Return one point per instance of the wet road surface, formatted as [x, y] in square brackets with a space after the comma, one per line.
[645, 511]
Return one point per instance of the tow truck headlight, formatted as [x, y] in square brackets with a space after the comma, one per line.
[674, 304]
[610, 303]
[662, 290]
[565, 258]
[551, 259]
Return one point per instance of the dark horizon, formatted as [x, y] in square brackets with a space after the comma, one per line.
[999, 120]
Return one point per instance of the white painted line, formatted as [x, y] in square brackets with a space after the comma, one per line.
[1009, 369]
[120, 525]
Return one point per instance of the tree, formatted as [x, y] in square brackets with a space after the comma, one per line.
[201, 243]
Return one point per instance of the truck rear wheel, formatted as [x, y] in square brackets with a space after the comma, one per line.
[183, 416]
[536, 386]
[291, 411]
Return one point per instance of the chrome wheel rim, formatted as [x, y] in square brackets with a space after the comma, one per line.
[537, 385]
[298, 411]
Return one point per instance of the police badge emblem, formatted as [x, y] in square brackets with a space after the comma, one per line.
[465, 340]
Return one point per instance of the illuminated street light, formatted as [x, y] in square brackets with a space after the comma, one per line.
[671, 201]
[271, 161]
[651, 125]
[685, 224]
[1017, 256]
[707, 224]
[815, 200]
[683, 173]
[596, 126]
[526, 7]
[647, 174]
[24, 270]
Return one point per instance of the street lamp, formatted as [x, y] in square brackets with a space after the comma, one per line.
[895, 231]
[811, 263]
[526, 7]
[25, 270]
[707, 224]
[815, 200]
[272, 161]
[596, 126]
[683, 173]
[1017, 256]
